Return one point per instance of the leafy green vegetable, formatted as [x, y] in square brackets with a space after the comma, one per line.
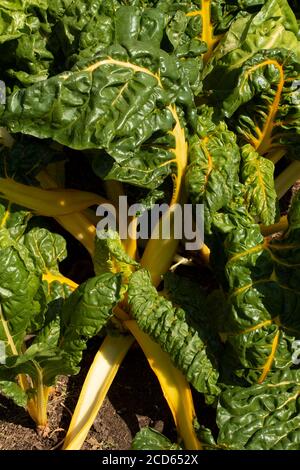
[264, 417]
[25, 58]
[87, 28]
[26, 158]
[13, 391]
[262, 279]
[174, 330]
[214, 165]
[259, 90]
[149, 439]
[33, 305]
[86, 311]
[110, 255]
[186, 293]
[257, 174]
[142, 149]
[177, 102]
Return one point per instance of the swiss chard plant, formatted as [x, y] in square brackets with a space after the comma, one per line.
[169, 102]
[44, 326]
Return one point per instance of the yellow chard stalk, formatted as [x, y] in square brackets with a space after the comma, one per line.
[157, 259]
[287, 178]
[48, 202]
[114, 189]
[175, 388]
[107, 361]
[65, 206]
[37, 405]
[207, 33]
[159, 254]
[96, 385]
[78, 224]
[281, 226]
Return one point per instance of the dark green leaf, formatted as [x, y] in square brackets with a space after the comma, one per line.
[262, 417]
[174, 330]
[149, 439]
[257, 174]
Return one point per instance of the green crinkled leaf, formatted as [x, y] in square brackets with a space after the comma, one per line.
[86, 312]
[214, 166]
[23, 299]
[225, 12]
[13, 218]
[58, 324]
[88, 27]
[251, 33]
[13, 390]
[174, 330]
[46, 248]
[110, 255]
[26, 159]
[148, 200]
[234, 215]
[32, 254]
[257, 174]
[41, 363]
[149, 439]
[49, 333]
[121, 103]
[57, 8]
[57, 350]
[83, 25]
[259, 61]
[19, 287]
[269, 102]
[186, 293]
[263, 317]
[206, 438]
[184, 34]
[262, 417]
[24, 29]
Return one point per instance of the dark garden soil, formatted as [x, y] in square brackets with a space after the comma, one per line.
[134, 401]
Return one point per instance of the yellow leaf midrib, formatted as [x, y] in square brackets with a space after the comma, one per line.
[268, 365]
[263, 142]
[180, 150]
[7, 333]
[6, 215]
[207, 33]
